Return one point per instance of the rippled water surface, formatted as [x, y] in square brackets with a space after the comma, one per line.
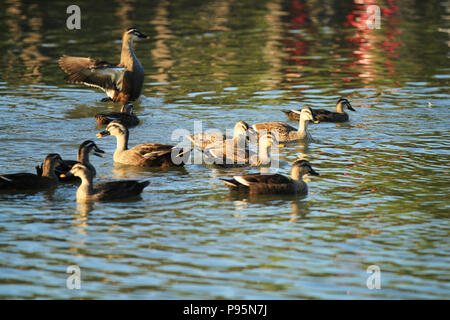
[381, 197]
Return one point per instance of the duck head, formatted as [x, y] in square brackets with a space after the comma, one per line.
[301, 168]
[78, 170]
[127, 108]
[134, 34]
[89, 146]
[242, 128]
[114, 128]
[344, 103]
[306, 114]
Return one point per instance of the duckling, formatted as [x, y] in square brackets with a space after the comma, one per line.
[125, 116]
[143, 155]
[115, 190]
[234, 155]
[205, 140]
[82, 157]
[287, 133]
[122, 82]
[273, 183]
[325, 115]
[30, 181]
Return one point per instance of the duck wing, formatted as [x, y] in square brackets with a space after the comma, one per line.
[322, 114]
[271, 179]
[257, 183]
[267, 184]
[151, 154]
[146, 148]
[119, 189]
[205, 140]
[92, 72]
[228, 155]
[282, 128]
[234, 185]
[75, 64]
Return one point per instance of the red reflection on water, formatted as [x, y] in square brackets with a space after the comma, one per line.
[298, 47]
[373, 45]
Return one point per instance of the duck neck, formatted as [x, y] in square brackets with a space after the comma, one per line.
[303, 128]
[127, 56]
[122, 141]
[264, 153]
[83, 156]
[339, 108]
[48, 169]
[85, 188]
[297, 174]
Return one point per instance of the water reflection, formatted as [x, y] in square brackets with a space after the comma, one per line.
[81, 217]
[26, 39]
[121, 171]
[125, 8]
[161, 54]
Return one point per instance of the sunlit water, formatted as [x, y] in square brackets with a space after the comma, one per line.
[381, 197]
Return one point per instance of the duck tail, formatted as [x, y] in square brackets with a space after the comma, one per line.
[231, 183]
[144, 183]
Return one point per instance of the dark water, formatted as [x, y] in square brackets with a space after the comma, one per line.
[381, 197]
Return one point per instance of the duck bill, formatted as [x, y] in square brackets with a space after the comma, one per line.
[349, 106]
[315, 120]
[66, 175]
[102, 134]
[143, 36]
[98, 152]
[313, 173]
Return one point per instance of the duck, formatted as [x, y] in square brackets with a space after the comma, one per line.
[122, 82]
[82, 157]
[273, 183]
[125, 116]
[30, 181]
[235, 156]
[325, 115]
[143, 155]
[114, 190]
[286, 132]
[205, 140]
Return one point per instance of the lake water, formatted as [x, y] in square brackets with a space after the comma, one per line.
[382, 197]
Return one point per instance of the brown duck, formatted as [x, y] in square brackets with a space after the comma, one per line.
[206, 140]
[114, 190]
[30, 181]
[323, 115]
[143, 155]
[125, 116]
[122, 82]
[236, 155]
[273, 183]
[286, 132]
